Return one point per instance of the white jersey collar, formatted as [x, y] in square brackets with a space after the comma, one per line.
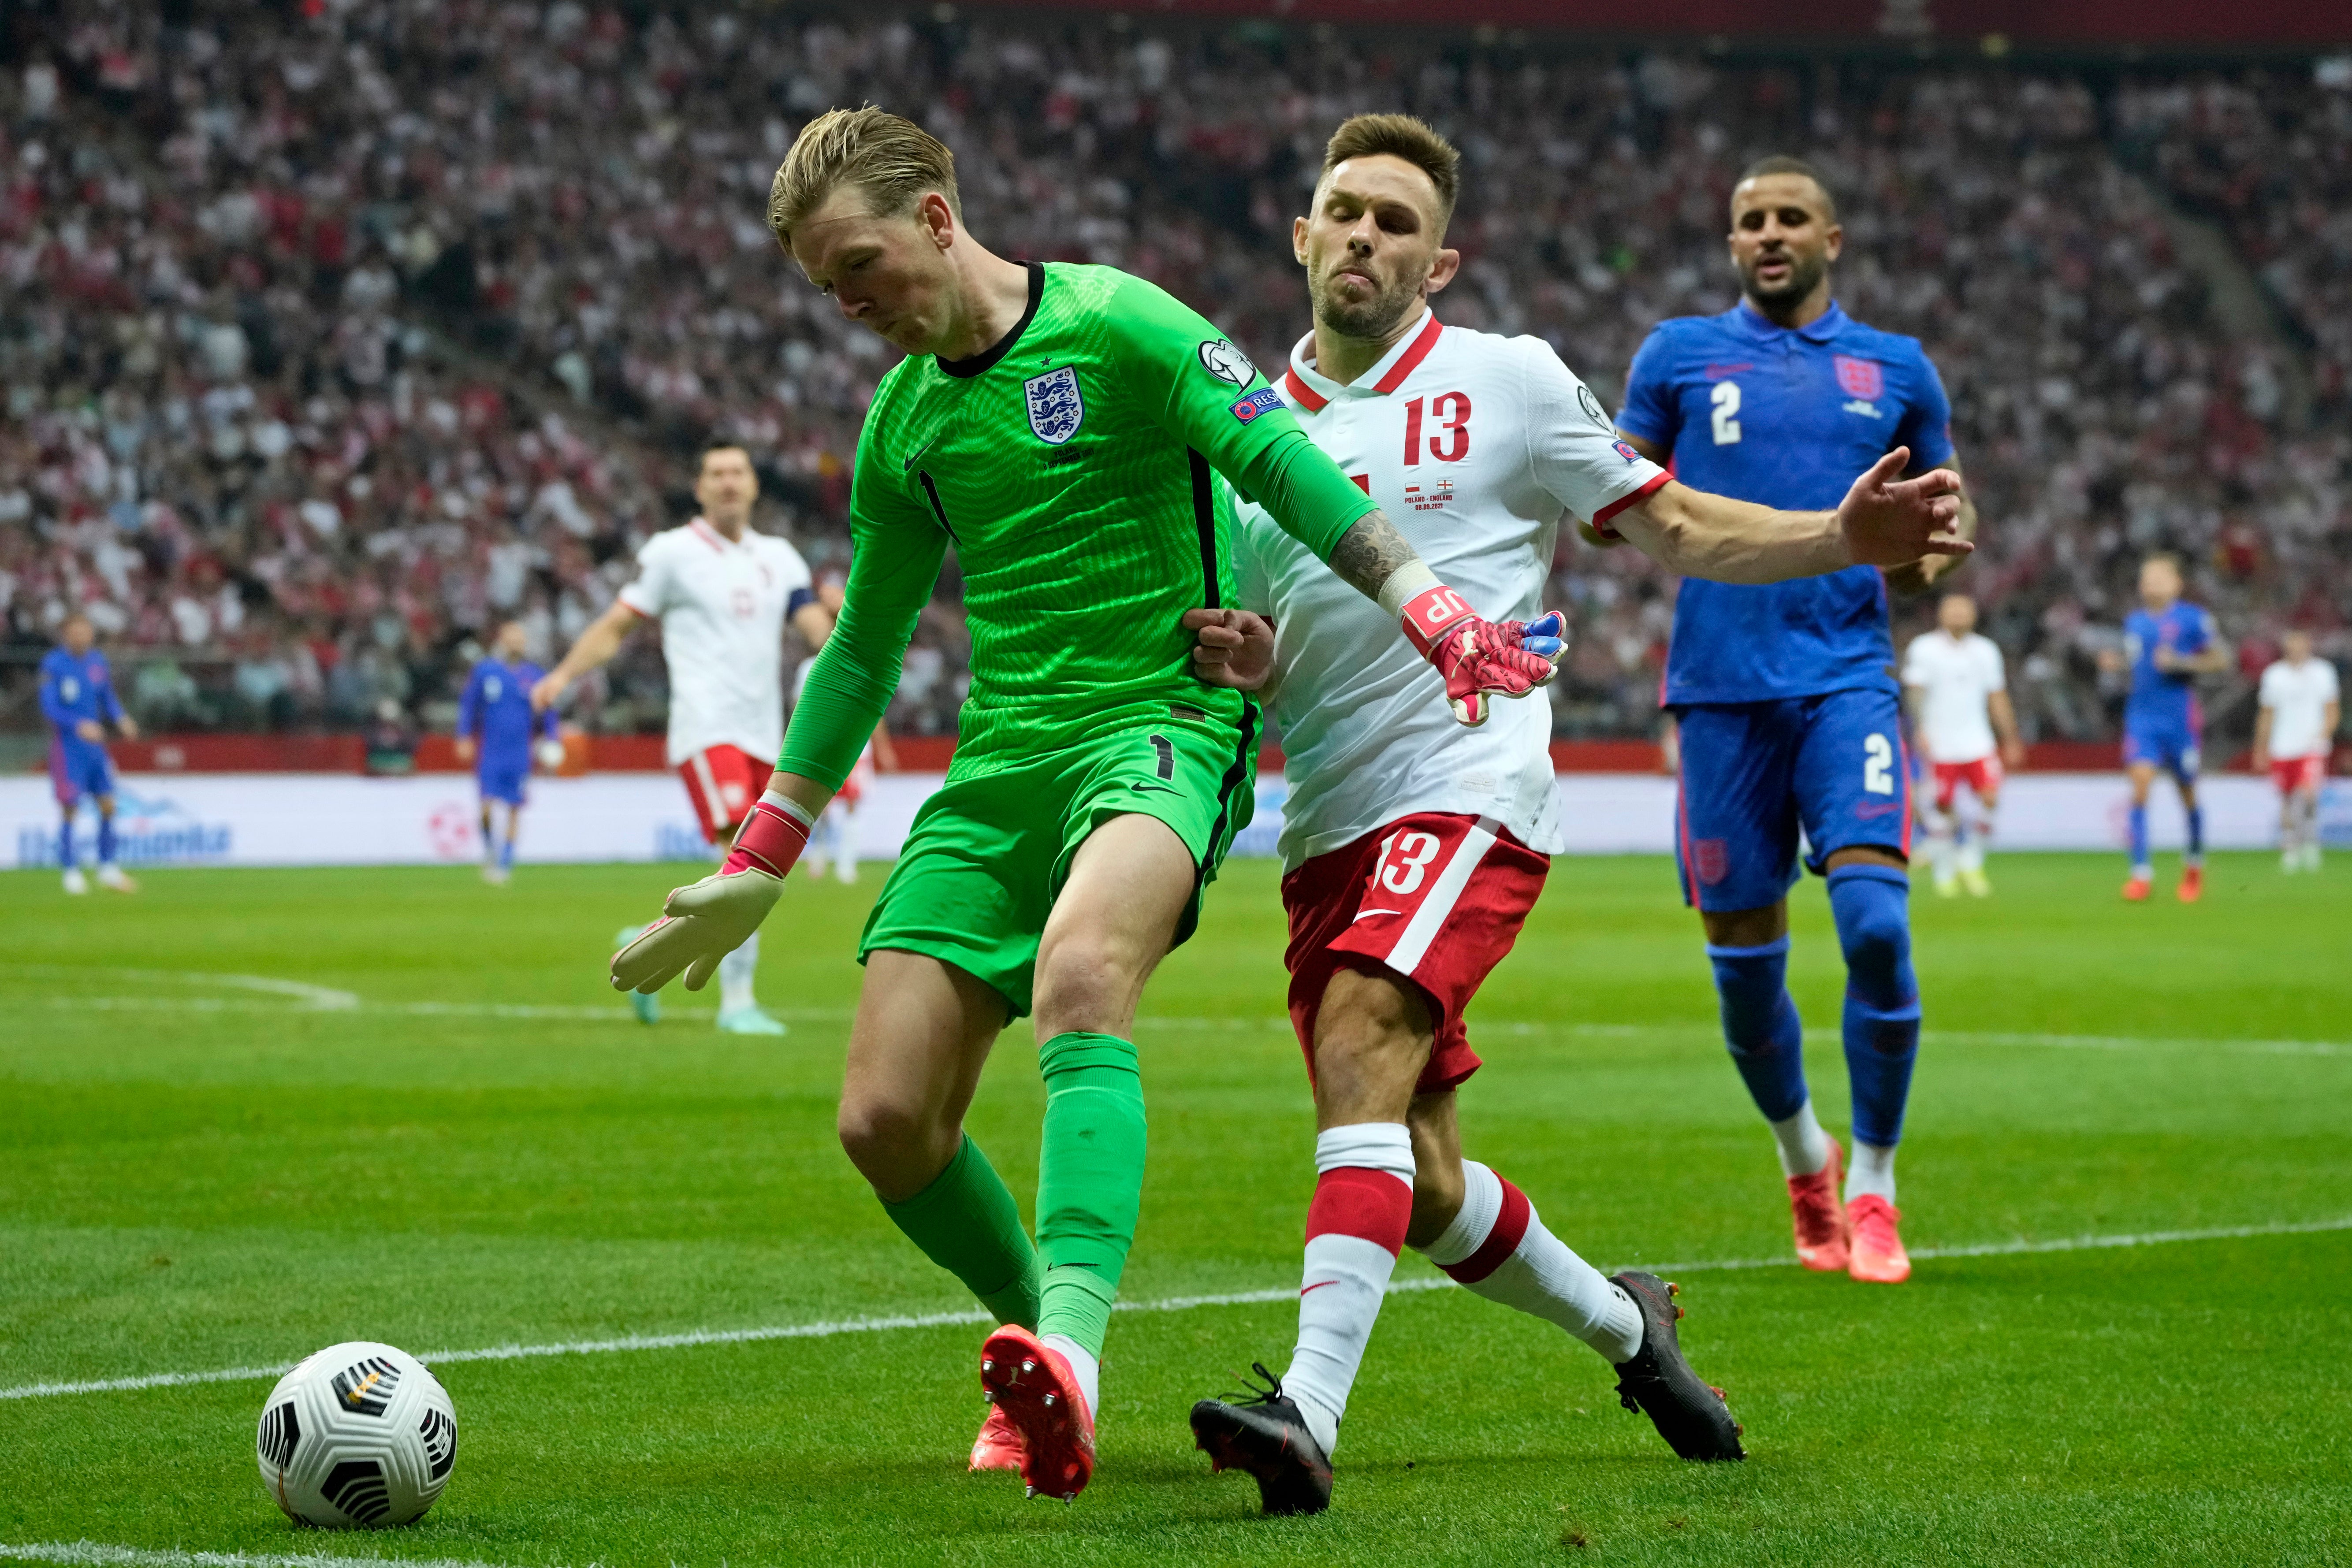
[1307, 390]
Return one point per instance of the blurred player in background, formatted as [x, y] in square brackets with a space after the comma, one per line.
[1063, 426]
[2168, 643]
[1413, 847]
[724, 594]
[1785, 696]
[833, 842]
[2294, 735]
[78, 699]
[495, 722]
[1966, 729]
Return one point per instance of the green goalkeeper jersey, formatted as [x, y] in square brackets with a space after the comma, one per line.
[1074, 468]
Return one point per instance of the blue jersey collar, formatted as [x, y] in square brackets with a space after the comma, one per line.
[1747, 320]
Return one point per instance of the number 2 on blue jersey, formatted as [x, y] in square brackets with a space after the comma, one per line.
[1725, 399]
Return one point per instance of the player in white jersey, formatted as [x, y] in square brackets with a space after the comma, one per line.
[723, 595]
[1413, 847]
[1964, 729]
[2294, 735]
[833, 839]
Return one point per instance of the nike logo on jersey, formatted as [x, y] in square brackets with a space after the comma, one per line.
[1367, 914]
[1162, 789]
[917, 457]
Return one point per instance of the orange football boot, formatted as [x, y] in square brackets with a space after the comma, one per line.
[2192, 884]
[1878, 1254]
[1039, 1395]
[2137, 890]
[1818, 1221]
[998, 1446]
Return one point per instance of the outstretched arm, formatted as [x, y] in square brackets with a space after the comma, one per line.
[2003, 713]
[593, 649]
[1883, 521]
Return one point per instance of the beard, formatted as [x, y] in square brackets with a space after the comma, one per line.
[1367, 318]
[1805, 273]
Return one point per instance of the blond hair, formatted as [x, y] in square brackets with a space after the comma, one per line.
[1400, 136]
[893, 161]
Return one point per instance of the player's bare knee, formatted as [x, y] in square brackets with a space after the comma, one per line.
[1371, 1041]
[1086, 981]
[1746, 927]
[897, 1146]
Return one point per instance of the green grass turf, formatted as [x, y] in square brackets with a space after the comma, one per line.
[196, 1175]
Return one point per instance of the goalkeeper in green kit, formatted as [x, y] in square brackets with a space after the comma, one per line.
[1076, 435]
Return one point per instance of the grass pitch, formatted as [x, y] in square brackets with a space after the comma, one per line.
[455, 1139]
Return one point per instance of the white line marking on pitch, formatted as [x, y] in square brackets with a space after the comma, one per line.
[323, 998]
[96, 1555]
[829, 1329]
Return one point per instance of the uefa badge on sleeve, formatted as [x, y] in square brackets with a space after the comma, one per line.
[1056, 407]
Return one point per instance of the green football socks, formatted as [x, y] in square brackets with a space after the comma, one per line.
[1090, 1180]
[967, 1223]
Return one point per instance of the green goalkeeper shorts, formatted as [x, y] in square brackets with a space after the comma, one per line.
[988, 854]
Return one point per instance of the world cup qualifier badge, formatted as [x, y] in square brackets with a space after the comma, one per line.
[1056, 407]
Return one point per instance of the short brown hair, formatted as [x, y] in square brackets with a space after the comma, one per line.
[891, 158]
[1400, 136]
[1781, 163]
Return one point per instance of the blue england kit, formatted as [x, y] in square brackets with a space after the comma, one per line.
[1786, 693]
[76, 688]
[2162, 721]
[495, 710]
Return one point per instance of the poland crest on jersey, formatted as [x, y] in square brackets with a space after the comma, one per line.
[1057, 408]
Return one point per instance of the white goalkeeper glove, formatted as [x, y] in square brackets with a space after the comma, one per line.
[703, 923]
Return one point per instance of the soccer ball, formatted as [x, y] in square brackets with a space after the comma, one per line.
[550, 752]
[358, 1434]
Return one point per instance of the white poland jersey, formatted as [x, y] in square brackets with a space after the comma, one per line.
[1475, 445]
[721, 608]
[1957, 676]
[2298, 698]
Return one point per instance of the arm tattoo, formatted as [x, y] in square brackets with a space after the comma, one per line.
[1369, 554]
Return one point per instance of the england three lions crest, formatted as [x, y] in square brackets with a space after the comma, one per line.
[1056, 407]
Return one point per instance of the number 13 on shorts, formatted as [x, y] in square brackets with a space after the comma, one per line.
[1404, 862]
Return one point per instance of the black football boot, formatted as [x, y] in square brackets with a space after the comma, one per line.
[1261, 1431]
[1691, 1415]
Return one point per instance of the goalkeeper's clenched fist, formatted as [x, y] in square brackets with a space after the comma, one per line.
[703, 923]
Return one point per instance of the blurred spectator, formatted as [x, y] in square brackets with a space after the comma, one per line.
[329, 334]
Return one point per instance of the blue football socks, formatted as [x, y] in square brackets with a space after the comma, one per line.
[105, 840]
[65, 845]
[1872, 906]
[1761, 1025]
[2196, 856]
[2140, 861]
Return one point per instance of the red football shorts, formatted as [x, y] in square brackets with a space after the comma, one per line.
[1436, 898]
[2294, 773]
[1982, 776]
[723, 782]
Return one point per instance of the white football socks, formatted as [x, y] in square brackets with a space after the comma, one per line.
[1873, 1172]
[735, 973]
[1540, 1275]
[1804, 1148]
[1939, 841]
[1364, 1184]
[1084, 1367]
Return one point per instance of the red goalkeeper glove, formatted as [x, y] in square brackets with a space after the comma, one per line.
[704, 922]
[1478, 658]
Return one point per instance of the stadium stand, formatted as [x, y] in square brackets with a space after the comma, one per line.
[330, 334]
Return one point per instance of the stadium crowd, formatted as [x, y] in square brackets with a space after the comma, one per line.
[332, 333]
